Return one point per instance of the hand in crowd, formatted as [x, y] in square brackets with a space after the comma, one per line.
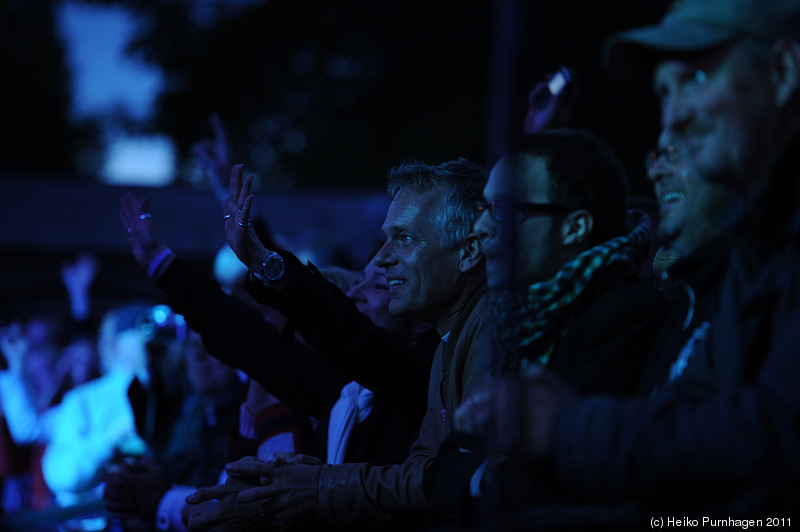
[517, 415]
[287, 484]
[228, 514]
[78, 277]
[239, 230]
[553, 112]
[13, 346]
[133, 491]
[79, 274]
[213, 157]
[140, 229]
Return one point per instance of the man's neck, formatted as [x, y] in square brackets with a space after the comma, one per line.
[447, 318]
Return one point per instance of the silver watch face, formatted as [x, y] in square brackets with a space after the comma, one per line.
[273, 267]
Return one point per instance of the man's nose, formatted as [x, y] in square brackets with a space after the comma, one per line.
[383, 257]
[356, 293]
[657, 170]
[483, 226]
[675, 114]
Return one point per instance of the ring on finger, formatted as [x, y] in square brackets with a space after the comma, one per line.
[226, 216]
[244, 223]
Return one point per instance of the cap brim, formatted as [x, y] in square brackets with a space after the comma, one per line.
[632, 54]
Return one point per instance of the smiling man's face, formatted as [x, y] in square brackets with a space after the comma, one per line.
[719, 105]
[422, 275]
[691, 209]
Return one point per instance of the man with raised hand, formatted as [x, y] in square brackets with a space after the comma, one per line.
[434, 266]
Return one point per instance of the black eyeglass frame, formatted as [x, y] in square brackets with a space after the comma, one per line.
[520, 211]
[669, 154]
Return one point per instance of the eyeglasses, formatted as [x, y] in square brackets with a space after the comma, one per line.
[670, 154]
[516, 213]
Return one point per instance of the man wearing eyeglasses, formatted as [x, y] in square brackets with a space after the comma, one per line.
[567, 292]
[727, 73]
[691, 263]
[568, 297]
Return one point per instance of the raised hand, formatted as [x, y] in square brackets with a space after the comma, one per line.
[13, 347]
[213, 157]
[140, 229]
[78, 277]
[548, 111]
[239, 230]
[79, 274]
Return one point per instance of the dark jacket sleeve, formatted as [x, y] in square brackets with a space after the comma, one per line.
[745, 440]
[327, 319]
[235, 333]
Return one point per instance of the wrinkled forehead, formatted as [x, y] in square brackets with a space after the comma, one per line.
[410, 208]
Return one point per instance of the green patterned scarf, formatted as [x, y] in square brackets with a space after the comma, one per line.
[530, 323]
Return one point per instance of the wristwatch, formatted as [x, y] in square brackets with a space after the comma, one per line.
[273, 268]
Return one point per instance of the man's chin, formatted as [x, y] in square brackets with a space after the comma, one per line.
[398, 309]
[668, 230]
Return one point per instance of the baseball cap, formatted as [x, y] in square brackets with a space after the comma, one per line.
[697, 25]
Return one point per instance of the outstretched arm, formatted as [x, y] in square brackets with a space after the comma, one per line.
[239, 230]
[232, 331]
[143, 235]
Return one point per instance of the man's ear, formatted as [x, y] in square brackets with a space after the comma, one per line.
[471, 253]
[786, 70]
[576, 227]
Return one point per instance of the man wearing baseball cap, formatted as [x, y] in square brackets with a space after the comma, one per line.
[722, 441]
[726, 74]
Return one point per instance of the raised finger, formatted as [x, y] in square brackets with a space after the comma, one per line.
[144, 206]
[244, 191]
[245, 208]
[127, 204]
[235, 184]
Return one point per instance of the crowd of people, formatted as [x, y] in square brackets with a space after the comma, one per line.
[525, 350]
